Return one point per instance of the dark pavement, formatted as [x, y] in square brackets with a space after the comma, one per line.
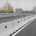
[11, 18]
[30, 30]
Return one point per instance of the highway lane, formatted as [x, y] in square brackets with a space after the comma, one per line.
[30, 30]
[6, 19]
[26, 22]
[13, 22]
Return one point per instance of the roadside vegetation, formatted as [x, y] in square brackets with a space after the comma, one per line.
[6, 11]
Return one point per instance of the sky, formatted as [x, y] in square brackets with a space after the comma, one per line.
[3, 2]
[24, 4]
[29, 4]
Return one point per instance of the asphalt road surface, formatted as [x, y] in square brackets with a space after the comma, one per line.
[27, 31]
[11, 18]
[30, 30]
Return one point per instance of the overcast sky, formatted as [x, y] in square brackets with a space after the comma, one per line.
[12, 2]
[25, 4]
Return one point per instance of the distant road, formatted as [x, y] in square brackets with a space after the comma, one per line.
[9, 17]
[5, 19]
